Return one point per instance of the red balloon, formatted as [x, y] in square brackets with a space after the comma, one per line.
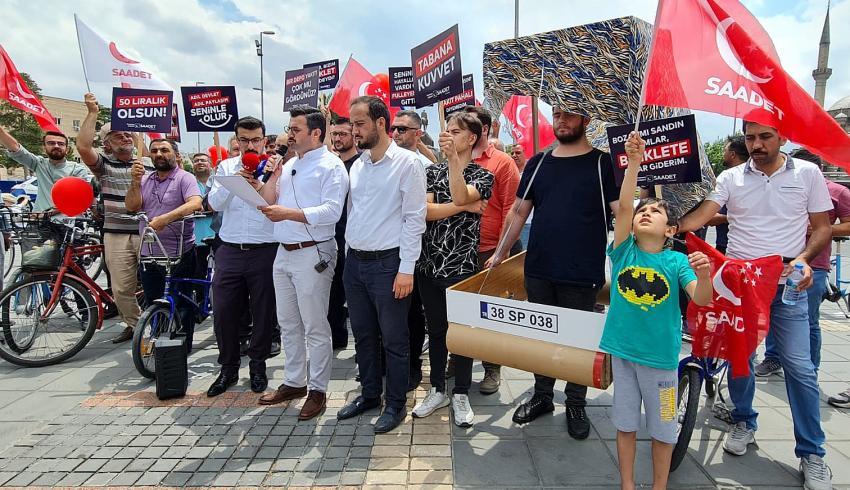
[72, 195]
[217, 156]
[380, 87]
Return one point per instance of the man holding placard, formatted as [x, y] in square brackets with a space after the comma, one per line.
[120, 236]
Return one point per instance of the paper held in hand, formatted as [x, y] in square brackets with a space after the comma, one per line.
[242, 189]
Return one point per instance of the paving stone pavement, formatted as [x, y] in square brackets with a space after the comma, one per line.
[94, 422]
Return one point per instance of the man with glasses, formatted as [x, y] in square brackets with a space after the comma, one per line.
[243, 275]
[120, 236]
[407, 133]
[342, 140]
[47, 169]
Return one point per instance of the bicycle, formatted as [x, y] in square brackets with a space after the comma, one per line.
[837, 290]
[161, 318]
[53, 308]
[693, 371]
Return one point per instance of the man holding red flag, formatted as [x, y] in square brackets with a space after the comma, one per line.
[771, 200]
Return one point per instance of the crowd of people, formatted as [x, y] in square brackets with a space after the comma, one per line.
[363, 224]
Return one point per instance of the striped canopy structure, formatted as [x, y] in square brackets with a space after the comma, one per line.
[593, 69]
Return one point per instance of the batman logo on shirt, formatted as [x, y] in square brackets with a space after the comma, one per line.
[643, 286]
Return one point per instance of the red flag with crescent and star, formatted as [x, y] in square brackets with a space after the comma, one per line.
[737, 319]
[356, 81]
[713, 55]
[518, 112]
[14, 88]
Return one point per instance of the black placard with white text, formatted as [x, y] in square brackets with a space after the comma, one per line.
[301, 87]
[437, 71]
[401, 87]
[140, 110]
[465, 98]
[328, 73]
[210, 108]
[672, 151]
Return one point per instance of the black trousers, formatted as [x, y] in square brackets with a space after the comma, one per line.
[416, 326]
[576, 298]
[337, 312]
[433, 292]
[244, 278]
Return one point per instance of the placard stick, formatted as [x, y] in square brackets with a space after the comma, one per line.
[217, 146]
[441, 109]
[140, 144]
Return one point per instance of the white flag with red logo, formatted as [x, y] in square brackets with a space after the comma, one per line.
[737, 319]
[518, 112]
[104, 63]
[14, 88]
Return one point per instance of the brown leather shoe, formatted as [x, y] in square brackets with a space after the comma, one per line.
[315, 405]
[282, 394]
[124, 336]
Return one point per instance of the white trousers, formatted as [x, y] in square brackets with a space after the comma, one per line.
[302, 296]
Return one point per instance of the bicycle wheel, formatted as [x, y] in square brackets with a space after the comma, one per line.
[9, 259]
[156, 321]
[92, 264]
[31, 339]
[688, 404]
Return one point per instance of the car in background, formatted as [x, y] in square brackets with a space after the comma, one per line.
[28, 187]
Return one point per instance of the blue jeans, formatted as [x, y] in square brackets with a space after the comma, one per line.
[820, 279]
[789, 325]
[377, 316]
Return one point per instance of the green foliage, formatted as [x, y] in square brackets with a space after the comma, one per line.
[714, 152]
[21, 125]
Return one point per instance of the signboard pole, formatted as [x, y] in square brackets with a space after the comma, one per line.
[216, 145]
[140, 145]
[534, 112]
[441, 110]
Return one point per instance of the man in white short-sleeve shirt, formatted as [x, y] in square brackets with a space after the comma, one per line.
[771, 200]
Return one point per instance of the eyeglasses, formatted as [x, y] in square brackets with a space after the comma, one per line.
[291, 129]
[340, 134]
[400, 129]
[60, 144]
[253, 141]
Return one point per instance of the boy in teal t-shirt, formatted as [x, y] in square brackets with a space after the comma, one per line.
[642, 327]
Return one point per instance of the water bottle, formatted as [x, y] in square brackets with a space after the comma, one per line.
[790, 295]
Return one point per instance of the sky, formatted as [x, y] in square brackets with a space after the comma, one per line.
[212, 41]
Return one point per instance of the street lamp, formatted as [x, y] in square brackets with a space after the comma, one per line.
[259, 44]
[199, 134]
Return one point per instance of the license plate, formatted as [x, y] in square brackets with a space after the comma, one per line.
[520, 317]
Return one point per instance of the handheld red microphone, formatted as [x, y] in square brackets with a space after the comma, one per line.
[263, 157]
[250, 161]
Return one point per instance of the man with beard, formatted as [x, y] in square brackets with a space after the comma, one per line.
[343, 145]
[407, 133]
[166, 196]
[306, 196]
[120, 236]
[572, 193]
[46, 169]
[243, 275]
[772, 200]
[386, 220]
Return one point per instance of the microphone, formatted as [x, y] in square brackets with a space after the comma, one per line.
[263, 157]
[250, 161]
[293, 172]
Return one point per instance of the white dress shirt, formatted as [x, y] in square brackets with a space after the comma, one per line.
[316, 183]
[386, 205]
[241, 222]
[769, 214]
[422, 158]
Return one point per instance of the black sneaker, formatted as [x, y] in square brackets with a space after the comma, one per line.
[577, 424]
[275, 351]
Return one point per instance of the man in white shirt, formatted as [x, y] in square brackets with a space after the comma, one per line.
[771, 200]
[242, 277]
[386, 219]
[306, 196]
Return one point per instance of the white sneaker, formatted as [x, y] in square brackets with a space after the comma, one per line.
[433, 401]
[463, 413]
[738, 439]
[816, 473]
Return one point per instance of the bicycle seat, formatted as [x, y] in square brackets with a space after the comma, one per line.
[839, 239]
[208, 241]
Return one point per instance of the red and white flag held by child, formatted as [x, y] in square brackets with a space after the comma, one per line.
[518, 112]
[14, 89]
[713, 55]
[737, 319]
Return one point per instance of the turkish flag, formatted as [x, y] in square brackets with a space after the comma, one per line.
[518, 112]
[713, 55]
[737, 319]
[14, 89]
[356, 81]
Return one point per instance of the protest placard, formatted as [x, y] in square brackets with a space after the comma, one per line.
[436, 67]
[401, 87]
[465, 98]
[210, 108]
[328, 73]
[147, 111]
[301, 87]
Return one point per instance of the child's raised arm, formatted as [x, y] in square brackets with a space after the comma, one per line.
[635, 147]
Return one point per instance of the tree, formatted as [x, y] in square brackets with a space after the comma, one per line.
[714, 152]
[21, 125]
